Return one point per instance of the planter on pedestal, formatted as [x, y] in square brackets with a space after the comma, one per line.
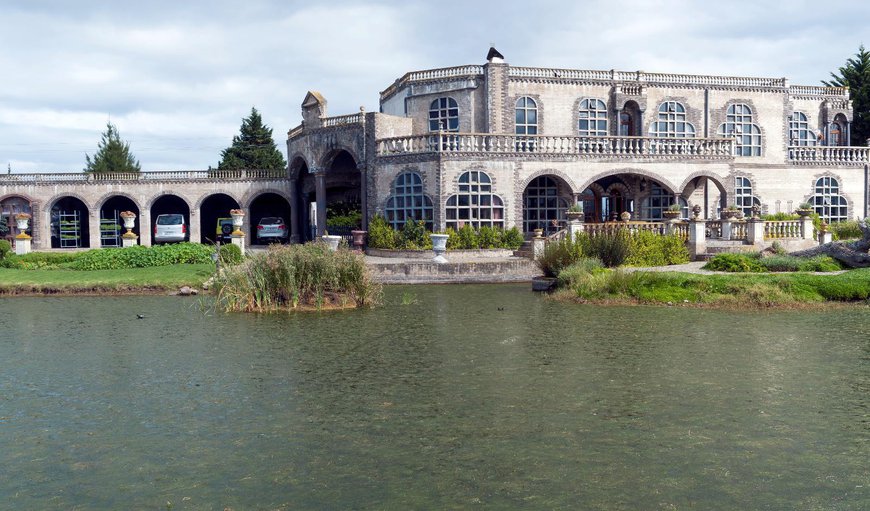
[439, 245]
[128, 239]
[331, 241]
[359, 239]
[22, 239]
[238, 219]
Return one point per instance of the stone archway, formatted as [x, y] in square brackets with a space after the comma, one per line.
[546, 198]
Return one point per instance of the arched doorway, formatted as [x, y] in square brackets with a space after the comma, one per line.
[268, 205]
[69, 223]
[9, 207]
[211, 209]
[343, 195]
[305, 202]
[644, 197]
[111, 225]
[629, 120]
[168, 205]
[545, 200]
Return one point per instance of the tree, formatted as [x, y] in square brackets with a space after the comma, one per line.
[253, 148]
[856, 75]
[113, 155]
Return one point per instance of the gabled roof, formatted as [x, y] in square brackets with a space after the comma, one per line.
[313, 98]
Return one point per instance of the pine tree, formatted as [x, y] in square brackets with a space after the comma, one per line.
[856, 75]
[113, 155]
[253, 148]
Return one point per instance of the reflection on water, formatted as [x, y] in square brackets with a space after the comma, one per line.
[446, 403]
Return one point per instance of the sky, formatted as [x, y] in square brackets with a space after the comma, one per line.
[177, 77]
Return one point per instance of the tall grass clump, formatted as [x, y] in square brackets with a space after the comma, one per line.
[294, 276]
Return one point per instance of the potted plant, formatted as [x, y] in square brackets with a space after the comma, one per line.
[805, 209]
[673, 212]
[575, 211]
[730, 212]
[238, 218]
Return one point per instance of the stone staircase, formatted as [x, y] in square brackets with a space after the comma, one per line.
[525, 250]
[716, 246]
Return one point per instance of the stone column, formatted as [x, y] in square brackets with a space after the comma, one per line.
[239, 241]
[41, 229]
[93, 233]
[294, 211]
[726, 228]
[755, 232]
[574, 227]
[320, 183]
[193, 225]
[364, 197]
[145, 227]
[538, 245]
[697, 238]
[807, 227]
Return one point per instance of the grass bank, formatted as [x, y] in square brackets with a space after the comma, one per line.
[156, 279]
[741, 290]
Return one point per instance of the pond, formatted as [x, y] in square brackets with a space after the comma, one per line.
[448, 397]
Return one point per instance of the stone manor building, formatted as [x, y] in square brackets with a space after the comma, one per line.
[501, 145]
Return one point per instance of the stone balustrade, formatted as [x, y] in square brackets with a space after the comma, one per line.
[432, 74]
[343, 120]
[151, 176]
[833, 155]
[783, 229]
[719, 148]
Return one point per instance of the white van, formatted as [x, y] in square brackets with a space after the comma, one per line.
[169, 228]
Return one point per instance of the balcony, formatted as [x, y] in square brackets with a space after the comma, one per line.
[539, 145]
[821, 155]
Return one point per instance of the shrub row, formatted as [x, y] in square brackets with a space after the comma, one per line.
[142, 257]
[613, 248]
[293, 275]
[754, 263]
[414, 236]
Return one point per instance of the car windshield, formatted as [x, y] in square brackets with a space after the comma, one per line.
[170, 219]
[269, 220]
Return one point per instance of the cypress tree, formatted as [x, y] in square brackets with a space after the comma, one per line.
[113, 155]
[253, 147]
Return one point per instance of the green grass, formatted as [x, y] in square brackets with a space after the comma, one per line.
[159, 278]
[753, 290]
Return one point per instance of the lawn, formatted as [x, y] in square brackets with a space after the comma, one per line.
[132, 280]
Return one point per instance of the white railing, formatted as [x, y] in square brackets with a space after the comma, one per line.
[632, 227]
[554, 145]
[783, 229]
[294, 131]
[813, 90]
[175, 175]
[341, 120]
[828, 154]
[640, 76]
[432, 74]
[569, 74]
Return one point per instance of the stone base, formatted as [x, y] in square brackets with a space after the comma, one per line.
[129, 242]
[22, 246]
[239, 241]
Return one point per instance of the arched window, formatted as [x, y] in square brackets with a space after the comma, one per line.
[739, 125]
[444, 115]
[542, 205]
[659, 200]
[593, 118]
[671, 122]
[743, 197]
[799, 133]
[475, 204]
[626, 127]
[828, 202]
[407, 201]
[526, 117]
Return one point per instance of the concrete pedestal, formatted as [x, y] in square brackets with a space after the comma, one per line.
[697, 238]
[129, 242]
[22, 245]
[239, 241]
[755, 232]
[825, 237]
[726, 228]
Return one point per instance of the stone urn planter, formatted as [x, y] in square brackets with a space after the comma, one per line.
[539, 233]
[804, 212]
[439, 246]
[129, 219]
[729, 213]
[671, 214]
[573, 216]
[22, 221]
[238, 219]
[359, 239]
[625, 216]
[331, 241]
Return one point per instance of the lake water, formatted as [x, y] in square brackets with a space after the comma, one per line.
[449, 397]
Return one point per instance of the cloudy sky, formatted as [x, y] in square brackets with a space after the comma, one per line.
[177, 77]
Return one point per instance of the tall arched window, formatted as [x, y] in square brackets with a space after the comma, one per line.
[526, 117]
[799, 133]
[828, 202]
[671, 122]
[743, 197]
[593, 118]
[408, 202]
[836, 138]
[542, 205]
[475, 204]
[659, 200]
[444, 115]
[739, 125]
